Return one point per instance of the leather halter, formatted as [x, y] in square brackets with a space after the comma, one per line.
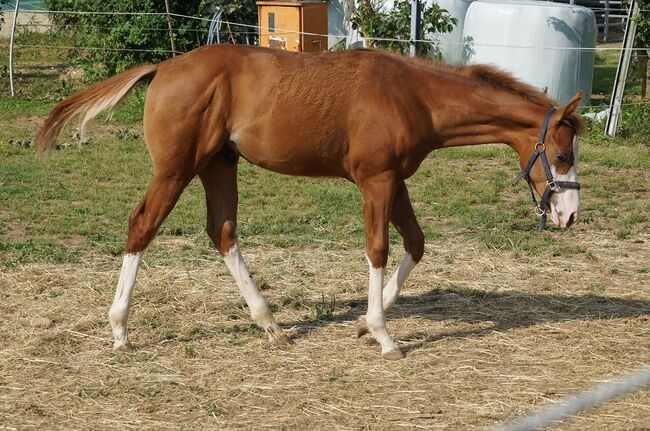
[552, 186]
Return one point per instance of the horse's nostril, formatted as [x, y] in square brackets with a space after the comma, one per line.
[572, 219]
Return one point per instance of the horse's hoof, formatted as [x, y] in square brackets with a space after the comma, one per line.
[280, 340]
[362, 326]
[276, 336]
[123, 347]
[393, 355]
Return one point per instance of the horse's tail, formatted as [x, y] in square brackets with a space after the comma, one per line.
[103, 96]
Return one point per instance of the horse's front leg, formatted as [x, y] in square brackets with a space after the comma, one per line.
[378, 193]
[403, 218]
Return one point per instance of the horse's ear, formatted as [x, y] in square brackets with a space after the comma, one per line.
[568, 109]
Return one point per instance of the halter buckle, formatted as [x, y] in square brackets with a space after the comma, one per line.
[551, 184]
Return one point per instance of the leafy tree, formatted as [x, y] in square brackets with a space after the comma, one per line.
[237, 11]
[643, 23]
[643, 40]
[2, 18]
[110, 43]
[374, 23]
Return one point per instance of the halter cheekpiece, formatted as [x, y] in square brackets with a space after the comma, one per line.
[552, 186]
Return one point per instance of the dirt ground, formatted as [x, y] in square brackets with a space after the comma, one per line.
[488, 335]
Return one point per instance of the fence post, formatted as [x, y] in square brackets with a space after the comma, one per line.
[11, 49]
[606, 28]
[415, 27]
[169, 26]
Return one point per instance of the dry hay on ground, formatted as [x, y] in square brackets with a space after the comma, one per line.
[488, 335]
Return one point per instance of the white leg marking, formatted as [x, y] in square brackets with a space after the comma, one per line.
[119, 312]
[259, 309]
[375, 316]
[392, 289]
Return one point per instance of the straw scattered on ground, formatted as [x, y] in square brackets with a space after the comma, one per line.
[488, 335]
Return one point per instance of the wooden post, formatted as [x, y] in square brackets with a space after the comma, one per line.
[169, 26]
[415, 27]
[11, 49]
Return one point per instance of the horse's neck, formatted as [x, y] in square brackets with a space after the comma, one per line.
[487, 116]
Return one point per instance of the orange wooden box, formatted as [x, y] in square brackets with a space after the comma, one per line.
[282, 24]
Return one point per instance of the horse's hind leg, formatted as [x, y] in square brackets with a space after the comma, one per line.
[219, 179]
[144, 222]
[403, 218]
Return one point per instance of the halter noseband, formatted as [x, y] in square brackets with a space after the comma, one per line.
[551, 185]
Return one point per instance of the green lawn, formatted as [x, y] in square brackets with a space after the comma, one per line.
[78, 201]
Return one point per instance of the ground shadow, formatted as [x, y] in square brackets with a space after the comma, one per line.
[504, 310]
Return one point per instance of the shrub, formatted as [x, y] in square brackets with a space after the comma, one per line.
[643, 23]
[111, 43]
[2, 18]
[375, 23]
[643, 40]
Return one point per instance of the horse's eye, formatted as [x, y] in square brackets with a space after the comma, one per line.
[562, 157]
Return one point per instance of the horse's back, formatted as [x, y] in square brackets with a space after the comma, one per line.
[295, 113]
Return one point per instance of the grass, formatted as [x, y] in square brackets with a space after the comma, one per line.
[78, 206]
[60, 209]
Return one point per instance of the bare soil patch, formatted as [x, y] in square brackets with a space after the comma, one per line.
[488, 335]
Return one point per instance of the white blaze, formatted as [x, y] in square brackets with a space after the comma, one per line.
[566, 202]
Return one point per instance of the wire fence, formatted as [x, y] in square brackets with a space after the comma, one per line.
[256, 29]
[282, 32]
[252, 29]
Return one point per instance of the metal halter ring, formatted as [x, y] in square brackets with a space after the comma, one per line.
[539, 212]
[540, 147]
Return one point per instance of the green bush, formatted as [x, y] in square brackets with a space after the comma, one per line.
[2, 18]
[643, 23]
[238, 11]
[643, 40]
[111, 43]
[375, 23]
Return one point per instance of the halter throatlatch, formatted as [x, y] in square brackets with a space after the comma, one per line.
[552, 186]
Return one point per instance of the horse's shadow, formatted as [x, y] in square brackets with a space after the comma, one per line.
[496, 311]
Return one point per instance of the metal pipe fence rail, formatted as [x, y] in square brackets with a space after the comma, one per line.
[551, 415]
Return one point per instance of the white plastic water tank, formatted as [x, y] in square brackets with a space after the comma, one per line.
[451, 44]
[539, 42]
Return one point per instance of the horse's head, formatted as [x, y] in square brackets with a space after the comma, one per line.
[554, 158]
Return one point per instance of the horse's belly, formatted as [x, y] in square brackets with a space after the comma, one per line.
[293, 158]
[292, 152]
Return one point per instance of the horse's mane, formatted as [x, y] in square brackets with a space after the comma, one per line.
[500, 79]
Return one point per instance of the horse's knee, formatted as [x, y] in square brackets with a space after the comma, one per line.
[377, 255]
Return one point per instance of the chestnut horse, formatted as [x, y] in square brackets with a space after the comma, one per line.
[367, 116]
